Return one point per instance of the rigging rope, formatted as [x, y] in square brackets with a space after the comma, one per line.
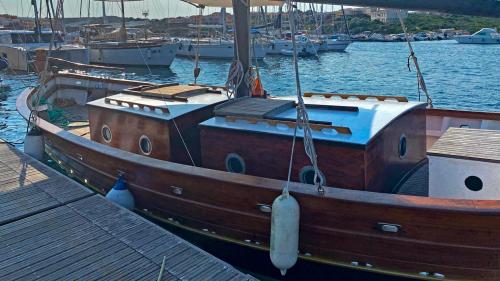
[420, 77]
[302, 116]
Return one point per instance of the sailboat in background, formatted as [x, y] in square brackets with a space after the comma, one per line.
[148, 52]
[216, 48]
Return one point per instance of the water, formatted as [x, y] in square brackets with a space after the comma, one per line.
[457, 76]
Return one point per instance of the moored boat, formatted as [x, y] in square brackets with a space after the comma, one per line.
[211, 168]
[483, 36]
[216, 49]
[133, 53]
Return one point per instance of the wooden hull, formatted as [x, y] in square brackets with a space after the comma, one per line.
[457, 238]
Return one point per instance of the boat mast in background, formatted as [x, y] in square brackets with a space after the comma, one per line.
[38, 29]
[104, 19]
[123, 30]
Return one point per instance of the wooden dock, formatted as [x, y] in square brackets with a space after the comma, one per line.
[52, 228]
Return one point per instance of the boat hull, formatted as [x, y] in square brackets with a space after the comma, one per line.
[333, 46]
[133, 55]
[457, 238]
[216, 50]
[477, 40]
[21, 58]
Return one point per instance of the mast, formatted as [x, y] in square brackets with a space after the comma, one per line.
[123, 30]
[38, 29]
[241, 9]
[223, 21]
[104, 19]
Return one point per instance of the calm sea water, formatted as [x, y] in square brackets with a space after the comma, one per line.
[457, 76]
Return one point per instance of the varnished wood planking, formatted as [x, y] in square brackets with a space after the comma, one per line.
[384, 167]
[167, 143]
[419, 225]
[268, 156]
[482, 115]
[435, 221]
[376, 167]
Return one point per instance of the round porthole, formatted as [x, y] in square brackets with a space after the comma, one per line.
[106, 133]
[474, 183]
[235, 164]
[402, 146]
[306, 175]
[145, 145]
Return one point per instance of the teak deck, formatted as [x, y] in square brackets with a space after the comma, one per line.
[51, 228]
[469, 144]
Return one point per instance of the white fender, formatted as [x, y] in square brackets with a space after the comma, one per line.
[34, 144]
[285, 219]
[120, 195]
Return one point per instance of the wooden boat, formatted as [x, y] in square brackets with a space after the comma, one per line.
[375, 216]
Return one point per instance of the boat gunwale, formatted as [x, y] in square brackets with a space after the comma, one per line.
[479, 207]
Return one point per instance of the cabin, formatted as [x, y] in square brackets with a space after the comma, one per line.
[366, 144]
[157, 121]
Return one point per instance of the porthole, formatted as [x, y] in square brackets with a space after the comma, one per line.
[402, 146]
[145, 145]
[106, 133]
[235, 164]
[473, 183]
[306, 175]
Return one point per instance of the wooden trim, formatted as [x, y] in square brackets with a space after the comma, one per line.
[359, 96]
[132, 83]
[464, 114]
[141, 106]
[289, 124]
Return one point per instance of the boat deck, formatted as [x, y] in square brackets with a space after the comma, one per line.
[469, 144]
[55, 229]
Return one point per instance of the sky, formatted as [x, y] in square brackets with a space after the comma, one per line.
[157, 8]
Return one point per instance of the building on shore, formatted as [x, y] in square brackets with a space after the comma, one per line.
[387, 15]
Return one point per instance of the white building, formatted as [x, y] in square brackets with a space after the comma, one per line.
[387, 15]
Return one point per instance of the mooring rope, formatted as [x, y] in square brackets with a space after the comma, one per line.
[302, 116]
[420, 77]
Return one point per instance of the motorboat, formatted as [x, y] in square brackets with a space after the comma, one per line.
[335, 43]
[305, 46]
[483, 36]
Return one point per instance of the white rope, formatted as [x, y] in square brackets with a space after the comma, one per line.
[420, 77]
[234, 78]
[302, 116]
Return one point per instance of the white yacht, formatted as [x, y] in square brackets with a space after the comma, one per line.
[334, 43]
[19, 46]
[133, 53]
[305, 47]
[217, 48]
[483, 36]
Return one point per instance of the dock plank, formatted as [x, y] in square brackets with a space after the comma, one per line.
[52, 228]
